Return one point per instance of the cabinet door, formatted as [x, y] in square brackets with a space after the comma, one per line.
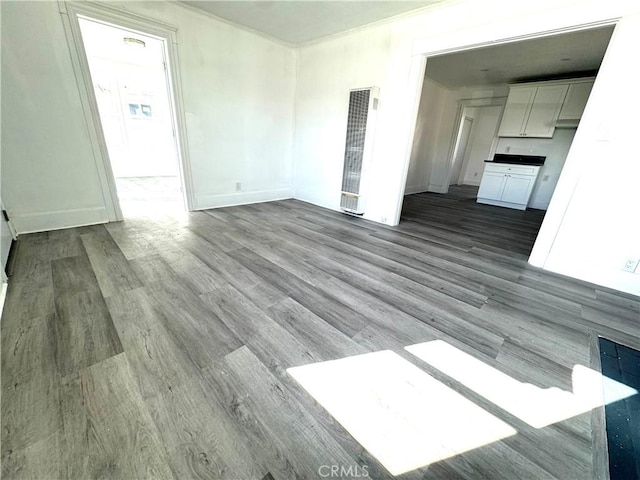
[491, 185]
[575, 101]
[517, 188]
[516, 111]
[545, 110]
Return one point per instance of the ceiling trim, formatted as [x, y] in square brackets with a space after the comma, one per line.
[231, 23]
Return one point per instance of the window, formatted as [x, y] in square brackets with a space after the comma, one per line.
[137, 110]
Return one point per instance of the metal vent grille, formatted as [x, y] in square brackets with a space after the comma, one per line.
[354, 148]
[349, 202]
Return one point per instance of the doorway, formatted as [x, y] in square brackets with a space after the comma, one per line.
[131, 87]
[475, 83]
[461, 149]
[475, 142]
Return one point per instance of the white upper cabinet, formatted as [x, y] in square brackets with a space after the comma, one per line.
[576, 100]
[532, 111]
[535, 109]
[545, 111]
[517, 111]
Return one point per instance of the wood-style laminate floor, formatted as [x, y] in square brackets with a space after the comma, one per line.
[158, 347]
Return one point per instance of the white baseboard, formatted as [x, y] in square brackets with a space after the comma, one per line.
[416, 189]
[318, 198]
[434, 188]
[205, 202]
[471, 182]
[606, 275]
[437, 188]
[539, 206]
[57, 220]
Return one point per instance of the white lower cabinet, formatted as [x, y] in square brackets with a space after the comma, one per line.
[507, 185]
[492, 185]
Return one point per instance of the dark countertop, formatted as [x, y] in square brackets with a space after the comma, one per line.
[515, 163]
[532, 160]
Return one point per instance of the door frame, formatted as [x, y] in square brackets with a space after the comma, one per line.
[472, 103]
[70, 13]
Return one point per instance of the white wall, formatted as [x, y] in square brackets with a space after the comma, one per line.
[238, 92]
[435, 130]
[326, 74]
[592, 226]
[554, 149]
[49, 176]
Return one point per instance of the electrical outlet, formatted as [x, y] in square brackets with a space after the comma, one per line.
[508, 149]
[238, 186]
[475, 174]
[383, 219]
[630, 265]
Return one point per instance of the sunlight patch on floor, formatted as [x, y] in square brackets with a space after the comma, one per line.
[399, 413]
[536, 406]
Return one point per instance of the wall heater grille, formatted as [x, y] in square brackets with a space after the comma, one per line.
[362, 103]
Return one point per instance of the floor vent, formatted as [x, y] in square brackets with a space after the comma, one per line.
[363, 104]
[621, 367]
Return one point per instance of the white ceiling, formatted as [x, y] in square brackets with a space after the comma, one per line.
[302, 21]
[549, 57]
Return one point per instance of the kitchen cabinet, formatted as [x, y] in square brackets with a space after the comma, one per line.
[518, 188]
[507, 185]
[492, 185]
[575, 101]
[532, 110]
[516, 111]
